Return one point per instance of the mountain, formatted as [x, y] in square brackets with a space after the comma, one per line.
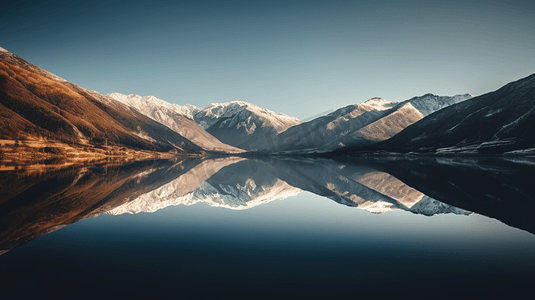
[243, 125]
[39, 109]
[178, 118]
[497, 122]
[360, 124]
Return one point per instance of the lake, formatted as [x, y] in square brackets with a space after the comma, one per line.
[404, 227]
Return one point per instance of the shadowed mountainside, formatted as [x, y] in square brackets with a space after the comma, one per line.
[497, 122]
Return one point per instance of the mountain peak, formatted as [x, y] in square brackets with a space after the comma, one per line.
[379, 103]
[233, 104]
[144, 103]
[3, 50]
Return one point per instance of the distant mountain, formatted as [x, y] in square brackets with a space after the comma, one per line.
[36, 105]
[497, 122]
[360, 124]
[178, 118]
[243, 125]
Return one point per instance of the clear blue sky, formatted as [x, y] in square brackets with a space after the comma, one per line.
[297, 57]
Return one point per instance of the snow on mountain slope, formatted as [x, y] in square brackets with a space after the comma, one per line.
[243, 125]
[429, 103]
[384, 128]
[496, 122]
[361, 124]
[178, 118]
[315, 134]
[150, 104]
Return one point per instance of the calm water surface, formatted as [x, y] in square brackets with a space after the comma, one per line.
[372, 228]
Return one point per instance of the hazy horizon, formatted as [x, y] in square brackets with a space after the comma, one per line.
[301, 58]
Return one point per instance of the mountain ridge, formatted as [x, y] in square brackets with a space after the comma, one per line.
[360, 124]
[176, 117]
[41, 108]
[497, 122]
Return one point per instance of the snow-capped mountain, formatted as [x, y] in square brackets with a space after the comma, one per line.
[496, 122]
[243, 125]
[360, 124]
[37, 105]
[178, 118]
[151, 105]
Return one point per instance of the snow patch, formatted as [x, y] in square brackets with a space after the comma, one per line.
[379, 103]
[515, 122]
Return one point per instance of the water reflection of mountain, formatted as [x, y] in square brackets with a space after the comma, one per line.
[357, 185]
[35, 203]
[498, 188]
[231, 183]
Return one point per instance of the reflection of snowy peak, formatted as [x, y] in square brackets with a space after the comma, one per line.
[407, 197]
[243, 197]
[238, 183]
[242, 124]
[178, 118]
[430, 207]
[387, 194]
[215, 182]
[361, 124]
[359, 186]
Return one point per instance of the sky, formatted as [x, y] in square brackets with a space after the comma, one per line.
[302, 58]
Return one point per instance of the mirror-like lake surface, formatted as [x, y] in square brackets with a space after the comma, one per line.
[379, 228]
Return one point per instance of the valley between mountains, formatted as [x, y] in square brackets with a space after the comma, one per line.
[43, 116]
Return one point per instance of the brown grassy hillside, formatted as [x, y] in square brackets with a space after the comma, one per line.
[37, 105]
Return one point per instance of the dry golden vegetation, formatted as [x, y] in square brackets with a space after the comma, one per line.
[37, 109]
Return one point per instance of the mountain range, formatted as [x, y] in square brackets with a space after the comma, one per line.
[361, 124]
[51, 116]
[176, 117]
[502, 121]
[37, 106]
